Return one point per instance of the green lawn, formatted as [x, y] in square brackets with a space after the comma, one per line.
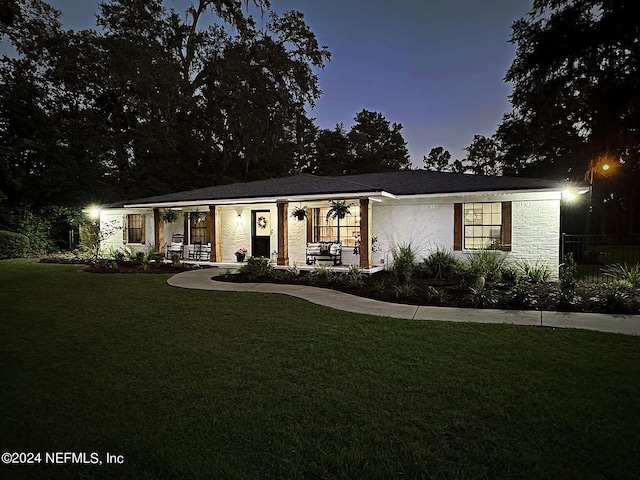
[191, 384]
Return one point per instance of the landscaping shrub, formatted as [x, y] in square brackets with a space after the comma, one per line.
[621, 272]
[481, 296]
[616, 300]
[521, 296]
[537, 272]
[404, 290]
[437, 295]
[321, 271]
[37, 226]
[176, 260]
[568, 273]
[488, 263]
[510, 275]
[465, 274]
[257, 267]
[403, 266]
[353, 276]
[157, 257]
[13, 245]
[119, 256]
[439, 264]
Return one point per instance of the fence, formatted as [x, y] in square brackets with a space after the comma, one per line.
[593, 252]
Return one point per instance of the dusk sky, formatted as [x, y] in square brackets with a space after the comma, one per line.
[435, 66]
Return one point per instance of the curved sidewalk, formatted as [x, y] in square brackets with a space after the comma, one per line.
[626, 324]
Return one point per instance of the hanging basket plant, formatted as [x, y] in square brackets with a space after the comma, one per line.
[168, 215]
[299, 213]
[339, 209]
[198, 216]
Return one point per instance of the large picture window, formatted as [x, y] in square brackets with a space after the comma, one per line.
[134, 228]
[346, 231]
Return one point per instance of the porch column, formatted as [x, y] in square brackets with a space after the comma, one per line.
[214, 228]
[158, 230]
[283, 233]
[365, 233]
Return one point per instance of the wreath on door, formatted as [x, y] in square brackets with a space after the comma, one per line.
[262, 222]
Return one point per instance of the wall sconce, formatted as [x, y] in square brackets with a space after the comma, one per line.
[94, 212]
[239, 220]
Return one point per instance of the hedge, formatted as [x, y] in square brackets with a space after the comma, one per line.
[13, 245]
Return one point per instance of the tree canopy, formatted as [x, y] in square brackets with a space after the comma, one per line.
[373, 144]
[576, 96]
[153, 101]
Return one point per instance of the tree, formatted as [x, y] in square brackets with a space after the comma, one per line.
[332, 153]
[439, 160]
[154, 102]
[377, 145]
[483, 157]
[161, 102]
[576, 96]
[371, 145]
[226, 107]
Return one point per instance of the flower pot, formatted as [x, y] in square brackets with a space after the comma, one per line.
[240, 257]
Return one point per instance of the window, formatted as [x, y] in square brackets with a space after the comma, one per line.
[482, 225]
[134, 228]
[328, 230]
[199, 229]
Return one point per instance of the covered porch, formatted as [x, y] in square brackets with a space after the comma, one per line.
[214, 234]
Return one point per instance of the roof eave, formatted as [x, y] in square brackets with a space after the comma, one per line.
[476, 193]
[271, 199]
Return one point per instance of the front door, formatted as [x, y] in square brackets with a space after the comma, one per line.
[261, 233]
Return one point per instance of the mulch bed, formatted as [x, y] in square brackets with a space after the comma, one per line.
[586, 297]
[111, 266]
[137, 267]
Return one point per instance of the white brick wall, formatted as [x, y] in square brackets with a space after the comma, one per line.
[425, 225]
[536, 232]
[428, 224]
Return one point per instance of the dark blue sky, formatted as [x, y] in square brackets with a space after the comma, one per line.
[435, 66]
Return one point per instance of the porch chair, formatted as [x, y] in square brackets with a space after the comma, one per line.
[176, 247]
[195, 251]
[205, 252]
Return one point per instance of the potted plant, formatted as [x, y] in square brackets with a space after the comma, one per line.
[300, 213]
[168, 215]
[338, 210]
[240, 254]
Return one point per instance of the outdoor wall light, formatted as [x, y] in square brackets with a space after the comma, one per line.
[94, 212]
[239, 220]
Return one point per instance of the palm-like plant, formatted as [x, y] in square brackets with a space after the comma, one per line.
[338, 210]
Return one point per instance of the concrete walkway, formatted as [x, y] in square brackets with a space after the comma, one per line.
[626, 324]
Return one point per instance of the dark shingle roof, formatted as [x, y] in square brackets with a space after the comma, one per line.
[417, 182]
[407, 182]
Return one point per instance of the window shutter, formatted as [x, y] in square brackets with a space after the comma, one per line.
[186, 229]
[506, 226]
[143, 234]
[457, 226]
[125, 228]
